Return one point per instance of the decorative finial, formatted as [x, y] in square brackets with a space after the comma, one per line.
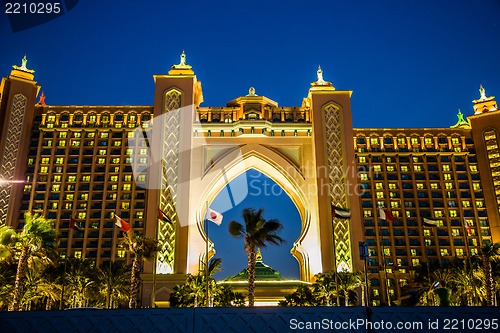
[258, 257]
[320, 81]
[23, 67]
[461, 122]
[251, 91]
[482, 93]
[42, 100]
[183, 64]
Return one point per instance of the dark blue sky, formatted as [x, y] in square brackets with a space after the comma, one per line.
[409, 63]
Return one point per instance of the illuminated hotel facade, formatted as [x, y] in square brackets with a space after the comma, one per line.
[88, 162]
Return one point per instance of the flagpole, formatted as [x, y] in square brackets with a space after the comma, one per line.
[155, 262]
[206, 254]
[384, 264]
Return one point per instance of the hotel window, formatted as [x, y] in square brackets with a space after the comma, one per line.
[127, 178]
[377, 168]
[404, 168]
[115, 160]
[390, 168]
[479, 204]
[117, 143]
[104, 135]
[60, 160]
[143, 151]
[453, 213]
[78, 254]
[455, 140]
[75, 143]
[417, 167]
[444, 252]
[367, 213]
[446, 167]
[466, 203]
[68, 205]
[414, 141]
[393, 186]
[434, 186]
[363, 176]
[408, 213]
[459, 252]
[70, 196]
[379, 186]
[132, 118]
[71, 179]
[114, 187]
[394, 204]
[63, 135]
[84, 196]
[126, 187]
[121, 253]
[125, 205]
[86, 178]
[143, 160]
[61, 143]
[415, 262]
[92, 118]
[373, 141]
[77, 134]
[130, 135]
[47, 143]
[102, 152]
[90, 135]
[129, 160]
[101, 160]
[387, 251]
[82, 215]
[380, 195]
[427, 232]
[113, 178]
[44, 169]
[401, 141]
[389, 159]
[58, 169]
[57, 178]
[45, 160]
[420, 186]
[438, 213]
[473, 168]
[362, 159]
[141, 178]
[51, 118]
[428, 140]
[447, 176]
[139, 215]
[56, 187]
[455, 232]
[129, 151]
[476, 186]
[448, 186]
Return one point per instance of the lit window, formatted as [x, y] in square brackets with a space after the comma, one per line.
[476, 186]
[91, 135]
[377, 168]
[434, 186]
[71, 179]
[129, 160]
[82, 215]
[68, 205]
[139, 215]
[104, 135]
[373, 141]
[413, 252]
[126, 187]
[143, 160]
[363, 176]
[447, 176]
[428, 140]
[92, 118]
[102, 152]
[388, 159]
[459, 252]
[86, 178]
[404, 168]
[56, 187]
[448, 186]
[141, 178]
[401, 141]
[438, 213]
[394, 204]
[446, 167]
[117, 143]
[417, 167]
[362, 159]
[380, 195]
[420, 186]
[127, 178]
[143, 151]
[367, 213]
[455, 232]
[121, 253]
[455, 140]
[415, 262]
[466, 203]
[130, 135]
[45, 160]
[379, 186]
[125, 205]
[70, 196]
[60, 160]
[387, 251]
[453, 213]
[390, 168]
[113, 178]
[44, 169]
[61, 143]
[414, 141]
[78, 254]
[101, 160]
[84, 196]
[393, 186]
[115, 160]
[473, 168]
[479, 204]
[63, 135]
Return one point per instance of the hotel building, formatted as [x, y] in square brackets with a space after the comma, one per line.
[83, 162]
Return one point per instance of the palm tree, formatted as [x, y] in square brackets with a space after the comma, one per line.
[80, 281]
[114, 283]
[257, 232]
[348, 282]
[489, 251]
[142, 248]
[37, 238]
[325, 288]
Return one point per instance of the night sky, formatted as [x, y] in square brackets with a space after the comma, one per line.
[409, 63]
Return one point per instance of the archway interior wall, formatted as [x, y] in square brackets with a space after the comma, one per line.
[300, 186]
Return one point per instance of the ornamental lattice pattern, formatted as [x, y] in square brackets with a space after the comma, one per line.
[338, 187]
[9, 158]
[169, 180]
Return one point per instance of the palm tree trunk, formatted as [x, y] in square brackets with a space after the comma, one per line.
[21, 272]
[134, 282]
[251, 275]
[490, 287]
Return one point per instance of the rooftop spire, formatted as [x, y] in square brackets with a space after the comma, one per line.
[23, 67]
[183, 64]
[320, 81]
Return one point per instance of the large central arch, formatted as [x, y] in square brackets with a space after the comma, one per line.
[263, 159]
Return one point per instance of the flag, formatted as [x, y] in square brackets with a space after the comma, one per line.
[72, 224]
[341, 212]
[429, 222]
[386, 215]
[213, 216]
[467, 226]
[162, 216]
[122, 224]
